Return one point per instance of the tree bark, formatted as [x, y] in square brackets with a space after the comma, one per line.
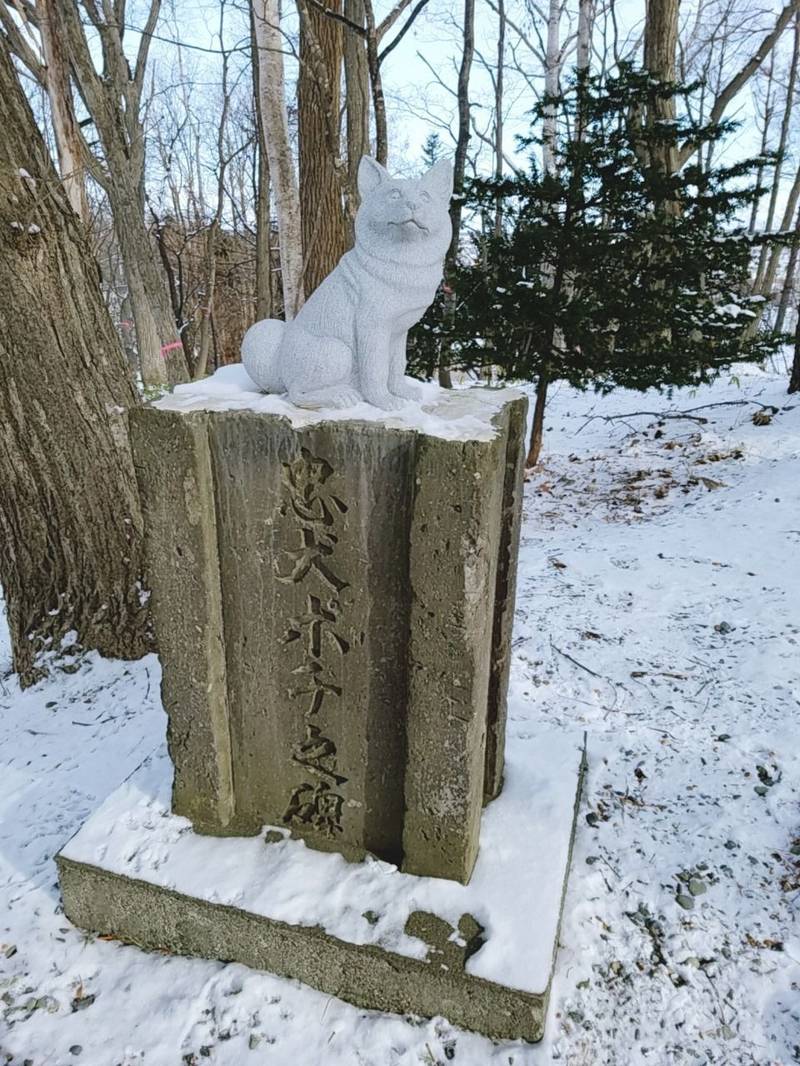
[758, 285]
[768, 110]
[459, 169]
[357, 91]
[376, 85]
[585, 27]
[794, 380]
[499, 88]
[660, 43]
[70, 526]
[537, 429]
[59, 91]
[210, 283]
[113, 101]
[263, 288]
[266, 18]
[743, 75]
[323, 226]
[788, 280]
[775, 253]
[552, 72]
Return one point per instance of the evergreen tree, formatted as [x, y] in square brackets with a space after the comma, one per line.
[432, 149]
[609, 271]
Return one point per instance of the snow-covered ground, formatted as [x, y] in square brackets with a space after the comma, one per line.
[659, 610]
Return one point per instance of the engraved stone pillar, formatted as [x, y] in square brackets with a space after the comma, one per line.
[333, 605]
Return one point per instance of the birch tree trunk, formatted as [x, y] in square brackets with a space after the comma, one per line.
[775, 253]
[264, 304]
[552, 71]
[70, 527]
[764, 258]
[764, 148]
[585, 26]
[324, 236]
[266, 19]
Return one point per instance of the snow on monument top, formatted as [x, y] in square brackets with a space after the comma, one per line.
[452, 414]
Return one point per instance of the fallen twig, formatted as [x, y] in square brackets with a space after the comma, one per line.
[687, 414]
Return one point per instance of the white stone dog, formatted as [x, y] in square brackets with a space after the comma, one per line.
[348, 342]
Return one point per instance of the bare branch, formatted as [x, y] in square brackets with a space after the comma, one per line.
[727, 93]
[407, 26]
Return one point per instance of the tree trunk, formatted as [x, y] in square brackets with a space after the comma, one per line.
[266, 17]
[768, 107]
[774, 257]
[59, 92]
[764, 258]
[210, 281]
[794, 380]
[113, 101]
[459, 169]
[324, 237]
[356, 81]
[499, 86]
[788, 280]
[263, 293]
[70, 527]
[161, 356]
[660, 43]
[376, 85]
[585, 27]
[552, 71]
[537, 430]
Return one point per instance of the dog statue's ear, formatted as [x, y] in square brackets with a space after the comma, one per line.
[370, 175]
[439, 179]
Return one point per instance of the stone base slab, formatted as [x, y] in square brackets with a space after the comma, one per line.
[481, 955]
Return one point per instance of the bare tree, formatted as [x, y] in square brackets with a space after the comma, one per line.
[70, 527]
[113, 100]
[736, 83]
[760, 284]
[766, 118]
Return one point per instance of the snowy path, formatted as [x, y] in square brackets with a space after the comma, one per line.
[659, 610]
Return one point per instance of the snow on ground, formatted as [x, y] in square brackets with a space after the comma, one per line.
[659, 610]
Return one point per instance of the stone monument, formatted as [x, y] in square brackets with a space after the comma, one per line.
[333, 577]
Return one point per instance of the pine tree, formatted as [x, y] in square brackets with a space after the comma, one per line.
[609, 271]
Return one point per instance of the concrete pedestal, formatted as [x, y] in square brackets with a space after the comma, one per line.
[481, 954]
[333, 602]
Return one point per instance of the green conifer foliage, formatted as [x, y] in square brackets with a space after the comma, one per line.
[608, 272]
